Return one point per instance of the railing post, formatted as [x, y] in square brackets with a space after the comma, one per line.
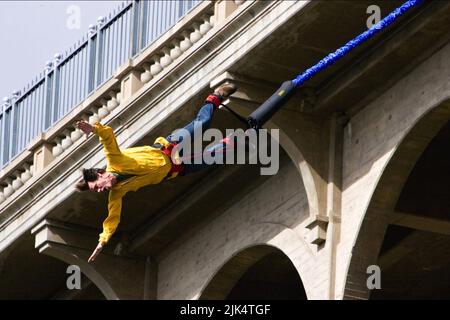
[6, 130]
[11, 129]
[55, 88]
[91, 54]
[3, 136]
[136, 27]
[144, 25]
[48, 89]
[15, 124]
[99, 52]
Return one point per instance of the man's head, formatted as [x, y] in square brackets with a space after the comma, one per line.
[97, 180]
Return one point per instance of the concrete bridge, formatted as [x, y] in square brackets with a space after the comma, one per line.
[362, 180]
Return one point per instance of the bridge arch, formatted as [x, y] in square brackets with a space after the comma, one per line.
[381, 209]
[256, 272]
[306, 173]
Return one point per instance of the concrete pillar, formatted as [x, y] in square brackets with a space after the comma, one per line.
[334, 195]
[222, 9]
[130, 84]
[42, 156]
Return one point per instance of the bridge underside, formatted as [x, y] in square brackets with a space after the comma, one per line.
[190, 201]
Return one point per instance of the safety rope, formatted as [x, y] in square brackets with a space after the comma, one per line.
[339, 53]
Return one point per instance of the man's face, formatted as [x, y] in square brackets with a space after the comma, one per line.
[105, 181]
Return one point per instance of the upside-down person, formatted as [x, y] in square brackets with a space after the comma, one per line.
[133, 168]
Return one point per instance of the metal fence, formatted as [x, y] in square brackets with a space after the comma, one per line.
[69, 79]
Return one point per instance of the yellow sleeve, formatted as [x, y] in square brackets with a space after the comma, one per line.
[112, 221]
[144, 180]
[162, 141]
[107, 139]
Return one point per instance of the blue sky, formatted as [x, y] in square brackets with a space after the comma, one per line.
[31, 32]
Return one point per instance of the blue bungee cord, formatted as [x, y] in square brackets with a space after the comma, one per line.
[339, 53]
[276, 101]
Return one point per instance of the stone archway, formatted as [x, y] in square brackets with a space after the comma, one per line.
[382, 205]
[116, 277]
[258, 272]
[301, 145]
[307, 174]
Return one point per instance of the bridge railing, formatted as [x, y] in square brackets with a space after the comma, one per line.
[39, 124]
[72, 77]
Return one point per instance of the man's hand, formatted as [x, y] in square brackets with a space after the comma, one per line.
[85, 127]
[97, 250]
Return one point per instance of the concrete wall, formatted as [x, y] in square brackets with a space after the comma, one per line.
[380, 146]
[371, 138]
[272, 213]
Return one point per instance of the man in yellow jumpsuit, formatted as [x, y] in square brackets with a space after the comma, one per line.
[133, 168]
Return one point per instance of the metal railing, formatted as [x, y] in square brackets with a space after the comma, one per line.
[69, 79]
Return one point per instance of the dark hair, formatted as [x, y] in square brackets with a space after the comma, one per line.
[88, 176]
